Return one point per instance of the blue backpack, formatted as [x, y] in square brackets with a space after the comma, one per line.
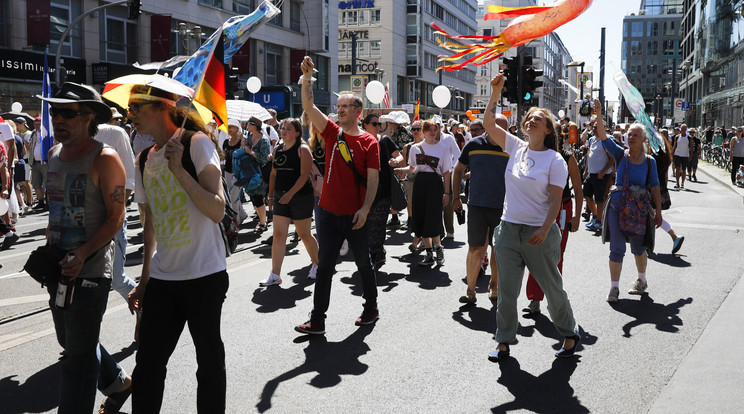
[246, 174]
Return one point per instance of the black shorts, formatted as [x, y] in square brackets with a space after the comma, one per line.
[299, 208]
[482, 221]
[681, 162]
[19, 172]
[595, 188]
[693, 162]
[257, 200]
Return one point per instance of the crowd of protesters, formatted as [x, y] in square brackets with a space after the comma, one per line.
[524, 186]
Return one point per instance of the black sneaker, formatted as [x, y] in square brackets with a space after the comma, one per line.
[394, 222]
[311, 327]
[440, 255]
[428, 259]
[368, 317]
[9, 241]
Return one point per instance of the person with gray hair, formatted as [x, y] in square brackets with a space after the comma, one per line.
[634, 168]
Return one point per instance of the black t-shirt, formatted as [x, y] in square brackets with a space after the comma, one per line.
[288, 168]
[229, 149]
[387, 148]
[695, 145]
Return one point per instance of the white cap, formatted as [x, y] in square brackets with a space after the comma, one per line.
[233, 122]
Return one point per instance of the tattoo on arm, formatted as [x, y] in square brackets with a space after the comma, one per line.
[493, 108]
[119, 195]
[309, 90]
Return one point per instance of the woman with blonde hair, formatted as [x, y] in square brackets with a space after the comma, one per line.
[528, 234]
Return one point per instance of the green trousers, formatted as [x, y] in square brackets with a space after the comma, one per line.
[512, 255]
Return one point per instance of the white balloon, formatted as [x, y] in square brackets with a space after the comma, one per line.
[561, 113]
[375, 92]
[441, 96]
[16, 107]
[253, 84]
[589, 83]
[3, 206]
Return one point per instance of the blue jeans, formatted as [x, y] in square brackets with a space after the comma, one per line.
[167, 307]
[87, 365]
[119, 281]
[618, 238]
[332, 230]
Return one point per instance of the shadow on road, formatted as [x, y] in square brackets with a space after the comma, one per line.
[548, 393]
[40, 392]
[275, 297]
[646, 311]
[330, 360]
[669, 259]
[476, 318]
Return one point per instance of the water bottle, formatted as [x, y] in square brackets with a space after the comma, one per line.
[65, 291]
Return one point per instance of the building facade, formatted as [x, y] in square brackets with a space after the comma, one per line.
[105, 44]
[548, 54]
[652, 55]
[396, 45]
[713, 66]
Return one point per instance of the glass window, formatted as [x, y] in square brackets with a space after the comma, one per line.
[278, 20]
[652, 48]
[375, 48]
[653, 28]
[321, 64]
[62, 12]
[374, 16]
[669, 47]
[5, 23]
[273, 64]
[625, 29]
[243, 6]
[362, 49]
[635, 48]
[294, 16]
[636, 29]
[213, 3]
[120, 42]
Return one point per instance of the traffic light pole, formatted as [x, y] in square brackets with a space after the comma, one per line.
[520, 90]
[58, 73]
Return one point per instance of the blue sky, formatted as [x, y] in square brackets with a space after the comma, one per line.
[582, 37]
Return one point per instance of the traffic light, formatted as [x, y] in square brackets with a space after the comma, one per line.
[511, 83]
[231, 81]
[530, 82]
[134, 9]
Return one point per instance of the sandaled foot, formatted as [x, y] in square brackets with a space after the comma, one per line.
[112, 404]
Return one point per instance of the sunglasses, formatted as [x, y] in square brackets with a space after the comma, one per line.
[346, 106]
[415, 129]
[134, 107]
[65, 113]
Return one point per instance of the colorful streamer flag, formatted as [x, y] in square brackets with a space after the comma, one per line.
[47, 139]
[210, 91]
[236, 31]
[386, 98]
[634, 101]
[531, 23]
[416, 116]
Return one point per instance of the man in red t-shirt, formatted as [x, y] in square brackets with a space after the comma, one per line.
[345, 201]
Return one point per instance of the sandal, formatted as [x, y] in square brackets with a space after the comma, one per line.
[260, 228]
[112, 404]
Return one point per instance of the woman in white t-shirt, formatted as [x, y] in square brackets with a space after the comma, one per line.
[528, 235]
[431, 160]
[681, 151]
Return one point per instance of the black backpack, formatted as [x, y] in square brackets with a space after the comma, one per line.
[229, 225]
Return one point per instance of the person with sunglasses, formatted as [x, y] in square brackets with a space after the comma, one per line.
[389, 157]
[86, 194]
[349, 189]
[185, 280]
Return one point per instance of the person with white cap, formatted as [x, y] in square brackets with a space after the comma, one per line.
[230, 145]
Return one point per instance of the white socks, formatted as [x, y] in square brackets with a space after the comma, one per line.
[616, 284]
[642, 276]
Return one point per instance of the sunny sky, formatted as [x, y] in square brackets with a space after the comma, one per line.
[582, 37]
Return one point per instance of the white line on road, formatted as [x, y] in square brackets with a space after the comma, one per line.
[24, 299]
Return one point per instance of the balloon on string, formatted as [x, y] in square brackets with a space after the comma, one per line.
[470, 115]
[16, 107]
[561, 113]
[441, 96]
[375, 92]
[253, 84]
[589, 83]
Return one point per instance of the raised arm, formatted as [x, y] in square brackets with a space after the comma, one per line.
[601, 133]
[496, 134]
[316, 117]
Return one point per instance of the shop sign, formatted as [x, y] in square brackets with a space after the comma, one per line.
[361, 67]
[16, 64]
[346, 34]
[356, 4]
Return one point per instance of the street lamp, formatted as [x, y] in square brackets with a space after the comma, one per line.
[579, 63]
[379, 73]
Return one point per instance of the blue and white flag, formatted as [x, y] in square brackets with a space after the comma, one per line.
[47, 139]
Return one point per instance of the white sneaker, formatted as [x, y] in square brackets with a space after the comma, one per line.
[450, 236]
[273, 279]
[344, 248]
[26, 209]
[313, 272]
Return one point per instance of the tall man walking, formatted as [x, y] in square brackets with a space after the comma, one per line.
[85, 189]
[351, 177]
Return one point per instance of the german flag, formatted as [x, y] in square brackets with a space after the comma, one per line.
[210, 92]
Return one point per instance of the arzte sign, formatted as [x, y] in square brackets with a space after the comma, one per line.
[356, 4]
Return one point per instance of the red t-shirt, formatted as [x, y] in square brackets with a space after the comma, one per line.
[4, 164]
[342, 194]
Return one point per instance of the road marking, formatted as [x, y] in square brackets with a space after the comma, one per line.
[707, 227]
[24, 299]
[14, 275]
[20, 338]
